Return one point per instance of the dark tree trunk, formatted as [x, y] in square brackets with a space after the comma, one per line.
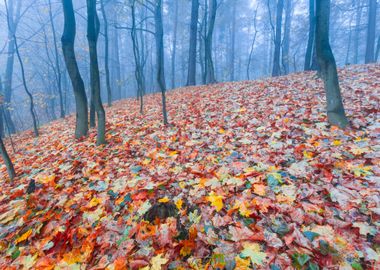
[93, 28]
[117, 67]
[67, 40]
[106, 54]
[192, 70]
[159, 36]
[209, 64]
[377, 49]
[371, 31]
[7, 160]
[174, 43]
[276, 71]
[310, 41]
[57, 64]
[335, 110]
[286, 41]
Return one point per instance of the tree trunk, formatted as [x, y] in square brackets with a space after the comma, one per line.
[233, 35]
[57, 64]
[377, 49]
[7, 160]
[209, 65]
[31, 107]
[93, 28]
[159, 35]
[371, 31]
[310, 41]
[12, 20]
[106, 54]
[67, 40]
[335, 110]
[192, 69]
[286, 41]
[174, 51]
[358, 16]
[276, 71]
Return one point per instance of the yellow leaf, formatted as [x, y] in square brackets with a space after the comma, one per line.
[45, 179]
[216, 200]
[336, 142]
[242, 264]
[94, 202]
[24, 237]
[307, 154]
[222, 131]
[259, 189]
[179, 203]
[157, 261]
[164, 200]
[173, 153]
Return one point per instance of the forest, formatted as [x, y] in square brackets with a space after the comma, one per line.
[189, 134]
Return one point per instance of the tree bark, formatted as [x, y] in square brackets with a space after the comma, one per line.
[93, 28]
[286, 41]
[358, 16]
[209, 64]
[335, 110]
[310, 41]
[192, 69]
[276, 71]
[106, 54]
[68, 38]
[174, 51]
[371, 31]
[233, 37]
[7, 160]
[159, 35]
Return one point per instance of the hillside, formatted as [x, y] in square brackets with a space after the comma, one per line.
[249, 173]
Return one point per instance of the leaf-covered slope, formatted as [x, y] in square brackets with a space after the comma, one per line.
[248, 175]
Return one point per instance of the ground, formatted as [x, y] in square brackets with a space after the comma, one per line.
[248, 175]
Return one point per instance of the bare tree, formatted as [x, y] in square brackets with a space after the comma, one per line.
[209, 64]
[174, 45]
[286, 40]
[68, 38]
[93, 28]
[335, 110]
[311, 39]
[7, 160]
[276, 71]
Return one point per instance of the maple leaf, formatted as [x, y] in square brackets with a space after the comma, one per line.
[24, 236]
[216, 201]
[253, 252]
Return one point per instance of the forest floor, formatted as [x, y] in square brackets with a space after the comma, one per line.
[249, 175]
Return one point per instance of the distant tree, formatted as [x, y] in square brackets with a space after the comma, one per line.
[286, 40]
[209, 64]
[335, 110]
[68, 38]
[93, 28]
[253, 42]
[232, 42]
[358, 15]
[311, 39]
[106, 53]
[371, 31]
[174, 45]
[57, 67]
[29, 94]
[277, 40]
[191, 75]
[159, 38]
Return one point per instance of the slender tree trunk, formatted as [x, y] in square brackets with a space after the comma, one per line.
[286, 41]
[159, 35]
[68, 37]
[93, 28]
[253, 43]
[57, 64]
[117, 67]
[233, 37]
[210, 73]
[335, 110]
[174, 51]
[276, 71]
[310, 41]
[377, 49]
[106, 54]
[371, 31]
[192, 70]
[358, 16]
[12, 20]
[7, 160]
